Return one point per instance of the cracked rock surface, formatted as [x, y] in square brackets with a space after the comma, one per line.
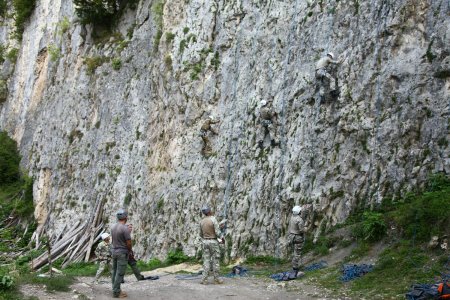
[118, 118]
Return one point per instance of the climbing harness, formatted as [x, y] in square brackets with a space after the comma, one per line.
[266, 123]
[350, 272]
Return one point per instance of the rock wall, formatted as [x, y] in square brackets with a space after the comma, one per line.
[118, 117]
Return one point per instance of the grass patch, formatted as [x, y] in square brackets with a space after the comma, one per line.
[54, 52]
[399, 266]
[264, 260]
[80, 269]
[116, 63]
[59, 283]
[12, 55]
[92, 63]
[158, 11]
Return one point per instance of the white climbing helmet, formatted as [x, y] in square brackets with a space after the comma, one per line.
[104, 236]
[330, 54]
[263, 103]
[296, 210]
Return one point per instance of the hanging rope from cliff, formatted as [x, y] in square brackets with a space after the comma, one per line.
[283, 142]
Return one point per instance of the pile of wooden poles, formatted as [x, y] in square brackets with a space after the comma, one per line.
[74, 244]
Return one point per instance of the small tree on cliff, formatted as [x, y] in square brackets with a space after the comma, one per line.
[100, 12]
[9, 160]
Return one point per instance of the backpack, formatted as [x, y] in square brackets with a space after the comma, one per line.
[444, 290]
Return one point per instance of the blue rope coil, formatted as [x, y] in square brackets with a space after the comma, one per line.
[316, 266]
[350, 272]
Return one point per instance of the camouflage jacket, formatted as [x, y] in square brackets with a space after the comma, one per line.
[103, 251]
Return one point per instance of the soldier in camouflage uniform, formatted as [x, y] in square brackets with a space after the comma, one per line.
[296, 236]
[103, 253]
[267, 124]
[324, 74]
[211, 235]
[206, 150]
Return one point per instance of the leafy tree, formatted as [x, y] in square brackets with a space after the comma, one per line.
[22, 12]
[95, 11]
[3, 8]
[9, 160]
[101, 12]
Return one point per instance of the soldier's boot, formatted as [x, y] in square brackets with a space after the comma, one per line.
[204, 281]
[295, 271]
[121, 295]
[218, 281]
[142, 277]
[274, 143]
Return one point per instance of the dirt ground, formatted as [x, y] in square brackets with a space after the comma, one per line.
[169, 286]
[178, 286]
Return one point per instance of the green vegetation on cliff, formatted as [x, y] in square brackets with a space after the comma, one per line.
[104, 12]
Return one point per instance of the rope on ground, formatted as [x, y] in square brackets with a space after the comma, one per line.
[316, 266]
[350, 272]
[422, 291]
[285, 276]
[189, 276]
[237, 271]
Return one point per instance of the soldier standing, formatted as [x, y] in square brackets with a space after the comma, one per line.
[121, 240]
[267, 123]
[206, 150]
[296, 236]
[211, 235]
[103, 254]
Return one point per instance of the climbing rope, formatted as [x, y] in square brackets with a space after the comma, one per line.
[316, 266]
[350, 272]
[283, 129]
[381, 27]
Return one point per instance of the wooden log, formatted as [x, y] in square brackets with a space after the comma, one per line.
[92, 233]
[43, 259]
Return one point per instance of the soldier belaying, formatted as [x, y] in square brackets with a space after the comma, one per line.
[296, 237]
[325, 73]
[211, 237]
[206, 150]
[267, 124]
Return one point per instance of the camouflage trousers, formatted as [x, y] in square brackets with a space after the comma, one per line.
[297, 243]
[211, 258]
[101, 267]
[266, 128]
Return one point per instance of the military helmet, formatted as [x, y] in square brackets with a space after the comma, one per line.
[206, 209]
[296, 210]
[122, 214]
[330, 54]
[104, 235]
[263, 102]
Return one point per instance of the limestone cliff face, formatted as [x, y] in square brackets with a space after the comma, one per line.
[119, 119]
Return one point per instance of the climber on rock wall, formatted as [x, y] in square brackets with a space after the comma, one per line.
[206, 150]
[267, 124]
[325, 74]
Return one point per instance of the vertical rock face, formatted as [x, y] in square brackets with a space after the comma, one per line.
[118, 118]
